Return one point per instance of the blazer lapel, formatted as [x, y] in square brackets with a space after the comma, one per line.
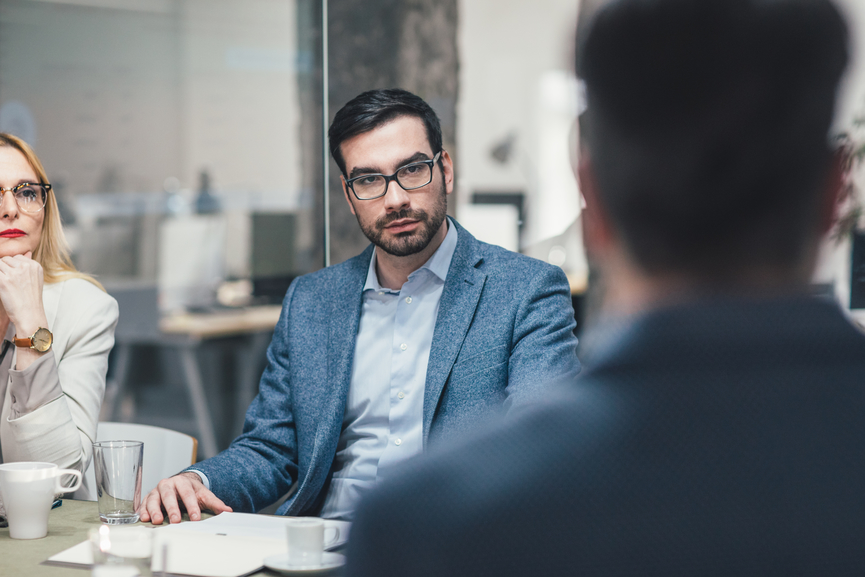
[459, 300]
[345, 308]
[51, 302]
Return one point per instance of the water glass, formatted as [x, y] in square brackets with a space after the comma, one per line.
[118, 467]
[121, 551]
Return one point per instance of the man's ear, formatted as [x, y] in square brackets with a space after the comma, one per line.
[448, 171]
[597, 232]
[346, 193]
[833, 192]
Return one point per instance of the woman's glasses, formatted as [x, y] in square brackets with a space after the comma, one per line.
[29, 196]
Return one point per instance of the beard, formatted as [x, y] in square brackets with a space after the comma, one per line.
[412, 242]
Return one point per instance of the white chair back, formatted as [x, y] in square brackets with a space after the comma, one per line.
[166, 453]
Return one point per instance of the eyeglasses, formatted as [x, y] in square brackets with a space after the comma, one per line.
[409, 177]
[30, 196]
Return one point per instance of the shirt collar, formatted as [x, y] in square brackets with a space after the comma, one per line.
[438, 263]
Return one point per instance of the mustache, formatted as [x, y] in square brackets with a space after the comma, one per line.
[404, 213]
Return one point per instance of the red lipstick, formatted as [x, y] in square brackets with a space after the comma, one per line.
[12, 233]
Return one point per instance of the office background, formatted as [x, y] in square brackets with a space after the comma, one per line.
[184, 142]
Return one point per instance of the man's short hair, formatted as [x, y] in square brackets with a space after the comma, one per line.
[374, 108]
[708, 127]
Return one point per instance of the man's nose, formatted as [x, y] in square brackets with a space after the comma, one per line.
[396, 197]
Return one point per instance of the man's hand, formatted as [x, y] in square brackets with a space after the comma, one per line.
[192, 493]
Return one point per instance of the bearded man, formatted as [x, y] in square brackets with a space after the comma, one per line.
[415, 340]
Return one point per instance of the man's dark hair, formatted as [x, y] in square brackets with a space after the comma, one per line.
[374, 108]
[708, 127]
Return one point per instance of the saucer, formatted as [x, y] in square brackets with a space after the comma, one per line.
[329, 562]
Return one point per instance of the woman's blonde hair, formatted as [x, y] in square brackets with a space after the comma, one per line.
[52, 252]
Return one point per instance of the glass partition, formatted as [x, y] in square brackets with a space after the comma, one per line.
[179, 136]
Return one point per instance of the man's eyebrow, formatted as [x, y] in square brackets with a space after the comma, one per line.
[359, 170]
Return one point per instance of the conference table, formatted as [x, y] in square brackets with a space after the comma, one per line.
[67, 526]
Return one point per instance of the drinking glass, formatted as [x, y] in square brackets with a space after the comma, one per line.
[121, 551]
[118, 480]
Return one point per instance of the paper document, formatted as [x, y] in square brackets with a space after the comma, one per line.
[226, 545]
[263, 526]
[195, 554]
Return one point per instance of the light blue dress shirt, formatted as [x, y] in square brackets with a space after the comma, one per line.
[383, 422]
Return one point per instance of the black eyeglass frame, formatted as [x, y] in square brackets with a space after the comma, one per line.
[393, 177]
[45, 189]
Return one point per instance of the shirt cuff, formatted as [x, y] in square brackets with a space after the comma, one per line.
[202, 476]
[35, 386]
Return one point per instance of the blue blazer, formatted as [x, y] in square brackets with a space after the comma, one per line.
[504, 330]
[714, 438]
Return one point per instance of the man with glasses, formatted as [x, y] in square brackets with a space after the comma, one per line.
[414, 341]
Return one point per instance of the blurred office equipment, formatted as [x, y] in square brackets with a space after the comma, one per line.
[272, 265]
[107, 247]
[205, 202]
[497, 224]
[138, 325]
[166, 452]
[186, 334]
[191, 261]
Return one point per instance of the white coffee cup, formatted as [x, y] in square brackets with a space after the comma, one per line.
[27, 491]
[306, 541]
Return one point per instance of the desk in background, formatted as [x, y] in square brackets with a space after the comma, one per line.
[141, 325]
[255, 324]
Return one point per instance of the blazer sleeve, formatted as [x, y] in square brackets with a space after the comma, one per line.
[261, 464]
[62, 431]
[544, 348]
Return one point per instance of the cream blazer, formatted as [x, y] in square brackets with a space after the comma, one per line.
[82, 319]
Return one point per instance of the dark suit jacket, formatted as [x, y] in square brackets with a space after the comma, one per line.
[725, 438]
[505, 324]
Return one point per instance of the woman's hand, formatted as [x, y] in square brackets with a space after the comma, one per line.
[21, 293]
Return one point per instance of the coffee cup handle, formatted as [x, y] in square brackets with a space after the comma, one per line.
[59, 488]
[328, 542]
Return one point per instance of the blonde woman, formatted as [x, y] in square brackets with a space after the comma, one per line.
[58, 324]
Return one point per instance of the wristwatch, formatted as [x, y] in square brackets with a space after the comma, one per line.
[40, 341]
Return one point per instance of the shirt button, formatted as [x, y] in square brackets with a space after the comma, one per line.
[398, 442]
[408, 300]
[401, 395]
[380, 293]
[403, 346]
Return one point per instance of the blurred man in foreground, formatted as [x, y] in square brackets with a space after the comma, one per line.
[720, 429]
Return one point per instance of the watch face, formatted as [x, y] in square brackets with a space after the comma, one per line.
[42, 340]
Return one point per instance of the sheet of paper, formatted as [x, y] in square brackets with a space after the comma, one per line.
[195, 553]
[260, 526]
